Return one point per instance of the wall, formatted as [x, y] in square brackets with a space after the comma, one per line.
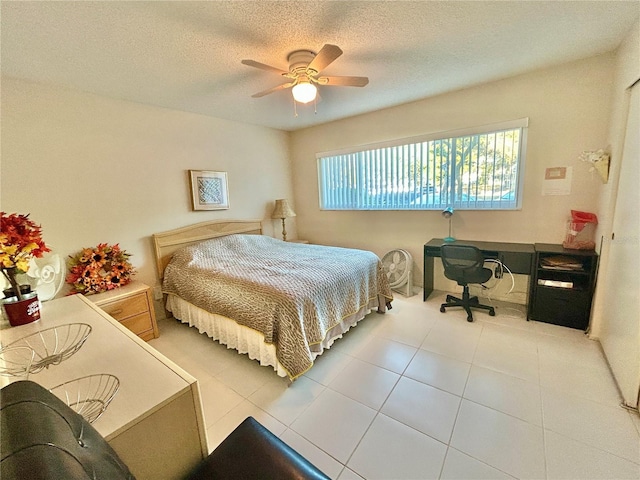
[568, 110]
[91, 169]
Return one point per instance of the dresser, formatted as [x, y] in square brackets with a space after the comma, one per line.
[132, 306]
[155, 422]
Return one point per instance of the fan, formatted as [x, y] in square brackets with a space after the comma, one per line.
[398, 265]
[47, 276]
[305, 67]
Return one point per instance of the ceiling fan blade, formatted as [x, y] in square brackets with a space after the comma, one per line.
[325, 56]
[262, 66]
[273, 89]
[344, 81]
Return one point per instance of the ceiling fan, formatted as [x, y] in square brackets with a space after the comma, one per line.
[305, 67]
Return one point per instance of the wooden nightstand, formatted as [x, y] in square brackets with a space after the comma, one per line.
[132, 306]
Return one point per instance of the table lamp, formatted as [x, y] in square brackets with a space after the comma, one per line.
[283, 210]
[448, 213]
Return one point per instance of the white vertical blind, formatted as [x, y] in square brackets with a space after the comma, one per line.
[467, 171]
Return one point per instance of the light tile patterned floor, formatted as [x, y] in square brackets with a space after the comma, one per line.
[417, 394]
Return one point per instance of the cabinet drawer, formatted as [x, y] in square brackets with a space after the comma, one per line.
[139, 323]
[127, 307]
[566, 307]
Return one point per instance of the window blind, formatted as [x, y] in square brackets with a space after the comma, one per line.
[477, 168]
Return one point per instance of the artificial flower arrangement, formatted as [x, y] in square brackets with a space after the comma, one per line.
[20, 241]
[95, 270]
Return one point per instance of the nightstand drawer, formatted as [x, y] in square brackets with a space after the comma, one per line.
[127, 307]
[132, 306]
[139, 323]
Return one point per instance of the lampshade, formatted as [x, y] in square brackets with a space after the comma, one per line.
[283, 209]
[304, 92]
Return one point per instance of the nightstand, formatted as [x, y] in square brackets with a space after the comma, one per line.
[132, 306]
[298, 241]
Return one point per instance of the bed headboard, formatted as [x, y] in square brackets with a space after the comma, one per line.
[166, 243]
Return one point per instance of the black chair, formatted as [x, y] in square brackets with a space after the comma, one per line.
[44, 439]
[465, 265]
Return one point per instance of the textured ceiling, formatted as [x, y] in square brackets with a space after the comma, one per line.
[186, 55]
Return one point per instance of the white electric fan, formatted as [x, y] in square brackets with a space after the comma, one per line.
[398, 265]
[46, 276]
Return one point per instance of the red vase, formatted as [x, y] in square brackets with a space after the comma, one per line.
[21, 312]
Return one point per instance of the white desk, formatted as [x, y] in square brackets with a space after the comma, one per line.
[155, 422]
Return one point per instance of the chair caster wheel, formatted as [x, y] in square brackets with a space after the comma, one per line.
[442, 309]
[492, 313]
[469, 319]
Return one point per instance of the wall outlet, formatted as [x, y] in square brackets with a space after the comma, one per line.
[498, 272]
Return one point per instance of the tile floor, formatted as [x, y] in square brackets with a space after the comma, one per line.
[417, 394]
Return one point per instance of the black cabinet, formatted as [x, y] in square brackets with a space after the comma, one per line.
[562, 285]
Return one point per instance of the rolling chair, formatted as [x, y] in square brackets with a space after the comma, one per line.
[465, 265]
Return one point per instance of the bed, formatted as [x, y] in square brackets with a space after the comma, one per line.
[282, 303]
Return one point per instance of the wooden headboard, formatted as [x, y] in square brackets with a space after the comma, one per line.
[166, 243]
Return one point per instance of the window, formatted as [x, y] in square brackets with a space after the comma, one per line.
[474, 169]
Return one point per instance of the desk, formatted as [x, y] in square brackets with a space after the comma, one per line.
[155, 422]
[518, 257]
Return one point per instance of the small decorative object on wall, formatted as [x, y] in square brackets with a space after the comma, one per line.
[95, 270]
[557, 181]
[209, 190]
[20, 241]
[599, 160]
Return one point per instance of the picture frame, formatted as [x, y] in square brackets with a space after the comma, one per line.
[209, 190]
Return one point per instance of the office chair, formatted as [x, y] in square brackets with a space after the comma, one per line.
[465, 265]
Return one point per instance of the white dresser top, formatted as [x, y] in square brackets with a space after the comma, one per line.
[148, 380]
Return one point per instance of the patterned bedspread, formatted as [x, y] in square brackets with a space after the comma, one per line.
[292, 293]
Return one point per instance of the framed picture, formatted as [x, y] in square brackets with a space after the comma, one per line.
[209, 190]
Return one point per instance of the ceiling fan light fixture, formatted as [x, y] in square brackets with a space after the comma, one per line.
[305, 68]
[304, 92]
